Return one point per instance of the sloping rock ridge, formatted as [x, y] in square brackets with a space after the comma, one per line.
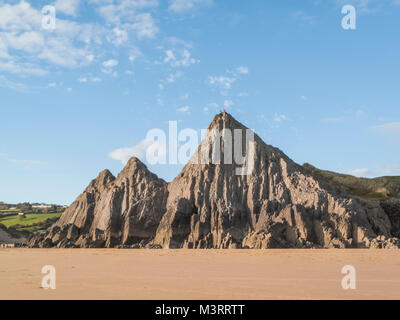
[111, 211]
[209, 205]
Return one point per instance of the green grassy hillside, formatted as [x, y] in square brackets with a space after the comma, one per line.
[382, 188]
[30, 222]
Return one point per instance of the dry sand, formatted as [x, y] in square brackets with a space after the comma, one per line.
[191, 274]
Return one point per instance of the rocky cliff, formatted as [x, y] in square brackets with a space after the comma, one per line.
[209, 205]
[111, 211]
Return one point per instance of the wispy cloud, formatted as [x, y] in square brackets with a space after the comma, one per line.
[69, 45]
[333, 120]
[369, 6]
[226, 81]
[25, 163]
[390, 169]
[361, 172]
[179, 6]
[37, 52]
[279, 117]
[68, 7]
[173, 76]
[182, 59]
[222, 81]
[145, 26]
[209, 106]
[242, 70]
[108, 67]
[303, 17]
[89, 79]
[392, 127]
[6, 83]
[138, 151]
[184, 109]
[228, 104]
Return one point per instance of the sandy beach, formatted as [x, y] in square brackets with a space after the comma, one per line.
[209, 274]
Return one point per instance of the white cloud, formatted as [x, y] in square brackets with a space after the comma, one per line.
[180, 6]
[71, 44]
[222, 81]
[279, 117]
[121, 11]
[27, 164]
[6, 83]
[21, 68]
[3, 50]
[393, 169]
[60, 53]
[361, 172]
[363, 6]
[110, 63]
[209, 106]
[68, 7]
[89, 78]
[52, 85]
[19, 17]
[138, 151]
[333, 120]
[144, 26]
[20, 30]
[185, 59]
[134, 54]
[90, 58]
[29, 41]
[118, 36]
[184, 109]
[242, 70]
[228, 103]
[173, 76]
[392, 127]
[360, 113]
[225, 82]
[108, 67]
[160, 101]
[174, 41]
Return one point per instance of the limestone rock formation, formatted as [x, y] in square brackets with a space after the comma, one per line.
[210, 205]
[276, 206]
[392, 209]
[111, 211]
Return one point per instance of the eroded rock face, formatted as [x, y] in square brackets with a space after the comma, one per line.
[111, 211]
[277, 205]
[392, 209]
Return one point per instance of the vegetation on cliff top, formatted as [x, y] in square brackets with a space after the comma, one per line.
[379, 189]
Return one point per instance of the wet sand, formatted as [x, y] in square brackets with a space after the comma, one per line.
[192, 274]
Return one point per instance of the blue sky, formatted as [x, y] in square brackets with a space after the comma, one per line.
[114, 69]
